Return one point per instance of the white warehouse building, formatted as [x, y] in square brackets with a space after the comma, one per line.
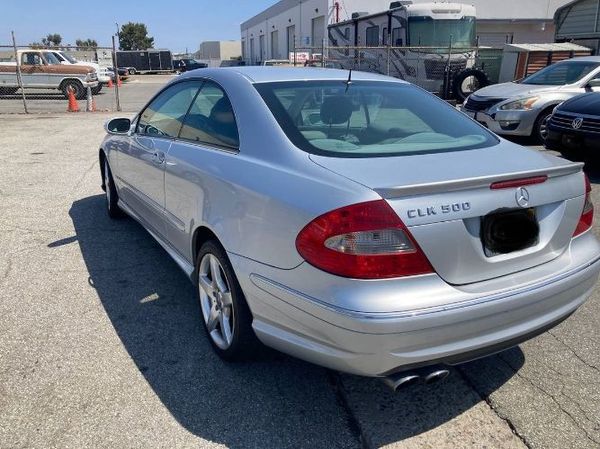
[289, 24]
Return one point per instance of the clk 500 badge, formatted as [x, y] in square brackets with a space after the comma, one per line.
[438, 210]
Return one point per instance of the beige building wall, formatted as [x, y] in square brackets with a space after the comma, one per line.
[231, 50]
[219, 50]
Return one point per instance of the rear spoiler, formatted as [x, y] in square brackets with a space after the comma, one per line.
[474, 183]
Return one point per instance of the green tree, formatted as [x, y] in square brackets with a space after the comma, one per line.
[52, 40]
[134, 36]
[86, 43]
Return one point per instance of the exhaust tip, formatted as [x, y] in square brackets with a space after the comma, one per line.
[436, 376]
[401, 381]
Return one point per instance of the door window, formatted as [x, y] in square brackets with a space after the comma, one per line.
[397, 37]
[372, 38]
[164, 116]
[211, 119]
[52, 59]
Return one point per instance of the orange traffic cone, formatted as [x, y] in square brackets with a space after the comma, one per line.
[73, 105]
[119, 83]
[110, 83]
[94, 105]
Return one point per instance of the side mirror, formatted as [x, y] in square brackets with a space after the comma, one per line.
[118, 126]
[593, 83]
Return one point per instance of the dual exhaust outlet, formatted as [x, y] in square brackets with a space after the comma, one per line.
[428, 376]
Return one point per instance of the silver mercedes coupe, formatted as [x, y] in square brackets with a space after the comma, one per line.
[351, 220]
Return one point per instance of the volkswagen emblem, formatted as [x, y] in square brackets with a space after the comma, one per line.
[576, 123]
[522, 197]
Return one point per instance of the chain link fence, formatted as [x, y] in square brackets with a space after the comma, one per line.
[451, 73]
[69, 78]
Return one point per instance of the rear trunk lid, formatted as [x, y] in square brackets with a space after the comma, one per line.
[447, 202]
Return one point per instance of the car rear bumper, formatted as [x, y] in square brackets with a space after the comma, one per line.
[301, 316]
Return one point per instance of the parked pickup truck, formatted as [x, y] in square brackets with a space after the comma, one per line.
[42, 70]
[104, 75]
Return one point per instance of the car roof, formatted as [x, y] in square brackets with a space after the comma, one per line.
[582, 59]
[261, 74]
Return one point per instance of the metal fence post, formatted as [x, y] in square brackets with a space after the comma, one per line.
[389, 54]
[294, 50]
[447, 82]
[19, 79]
[116, 74]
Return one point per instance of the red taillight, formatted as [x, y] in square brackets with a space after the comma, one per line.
[587, 215]
[363, 241]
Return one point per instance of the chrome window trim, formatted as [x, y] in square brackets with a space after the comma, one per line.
[208, 146]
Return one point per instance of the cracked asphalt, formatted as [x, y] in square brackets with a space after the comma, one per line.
[101, 345]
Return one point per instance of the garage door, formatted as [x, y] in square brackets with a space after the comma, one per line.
[318, 31]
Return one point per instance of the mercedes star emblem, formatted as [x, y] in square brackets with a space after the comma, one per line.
[522, 197]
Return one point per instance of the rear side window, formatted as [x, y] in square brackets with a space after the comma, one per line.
[164, 115]
[211, 119]
[369, 119]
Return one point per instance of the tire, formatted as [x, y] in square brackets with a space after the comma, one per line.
[539, 132]
[224, 311]
[111, 195]
[77, 87]
[468, 81]
[96, 90]
[131, 71]
[8, 90]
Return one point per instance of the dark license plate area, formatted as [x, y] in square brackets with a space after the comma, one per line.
[571, 141]
[508, 231]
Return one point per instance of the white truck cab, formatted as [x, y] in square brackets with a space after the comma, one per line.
[104, 75]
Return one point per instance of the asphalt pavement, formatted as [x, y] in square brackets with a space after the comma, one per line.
[101, 342]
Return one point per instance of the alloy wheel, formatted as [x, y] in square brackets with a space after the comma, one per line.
[216, 301]
[543, 131]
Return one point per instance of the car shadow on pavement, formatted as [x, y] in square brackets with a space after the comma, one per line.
[277, 401]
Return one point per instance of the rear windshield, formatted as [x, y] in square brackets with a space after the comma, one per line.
[369, 119]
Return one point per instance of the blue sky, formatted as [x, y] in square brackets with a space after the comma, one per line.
[174, 24]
